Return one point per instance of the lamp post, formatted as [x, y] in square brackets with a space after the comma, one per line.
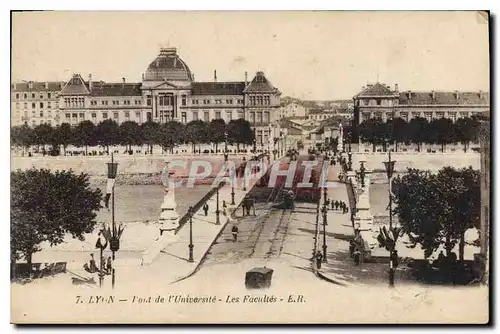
[362, 174]
[245, 174]
[349, 161]
[254, 143]
[324, 211]
[115, 234]
[217, 211]
[389, 167]
[191, 246]
[225, 147]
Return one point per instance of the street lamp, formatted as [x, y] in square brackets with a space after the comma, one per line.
[324, 211]
[191, 246]
[225, 147]
[349, 162]
[389, 167]
[362, 173]
[115, 234]
[244, 174]
[217, 211]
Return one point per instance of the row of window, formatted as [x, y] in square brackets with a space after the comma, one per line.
[33, 96]
[427, 115]
[260, 100]
[33, 105]
[217, 101]
[81, 115]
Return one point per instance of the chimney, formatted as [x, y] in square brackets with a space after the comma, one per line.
[433, 94]
[457, 95]
[192, 74]
[409, 94]
[90, 81]
[123, 83]
[46, 85]
[396, 88]
[215, 75]
[142, 76]
[246, 78]
[61, 84]
[481, 94]
[30, 84]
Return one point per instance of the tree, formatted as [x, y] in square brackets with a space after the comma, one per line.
[107, 133]
[45, 206]
[150, 132]
[370, 131]
[466, 130]
[196, 133]
[65, 135]
[437, 209]
[239, 131]
[43, 135]
[22, 136]
[400, 131]
[417, 131]
[171, 134]
[129, 134]
[442, 131]
[85, 135]
[216, 131]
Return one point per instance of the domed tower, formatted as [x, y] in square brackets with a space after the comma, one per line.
[168, 66]
[166, 84]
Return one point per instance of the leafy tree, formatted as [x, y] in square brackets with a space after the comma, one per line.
[65, 135]
[239, 131]
[466, 130]
[46, 205]
[22, 136]
[150, 132]
[437, 209]
[400, 131]
[371, 131]
[85, 135]
[129, 134]
[171, 134]
[43, 135]
[417, 131]
[107, 133]
[442, 130]
[217, 129]
[196, 133]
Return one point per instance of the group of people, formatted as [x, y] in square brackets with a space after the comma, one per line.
[338, 205]
[224, 208]
[91, 267]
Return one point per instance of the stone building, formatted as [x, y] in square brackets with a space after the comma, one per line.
[34, 103]
[381, 101]
[292, 109]
[168, 91]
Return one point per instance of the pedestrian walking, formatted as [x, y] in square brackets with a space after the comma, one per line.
[205, 209]
[224, 208]
[319, 259]
[234, 231]
[336, 205]
[109, 267]
[333, 205]
[357, 256]
[352, 245]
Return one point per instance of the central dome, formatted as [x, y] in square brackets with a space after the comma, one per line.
[168, 66]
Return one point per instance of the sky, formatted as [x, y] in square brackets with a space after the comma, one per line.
[309, 55]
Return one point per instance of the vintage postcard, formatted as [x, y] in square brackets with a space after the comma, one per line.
[286, 167]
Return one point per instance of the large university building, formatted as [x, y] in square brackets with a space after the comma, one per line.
[382, 102]
[167, 92]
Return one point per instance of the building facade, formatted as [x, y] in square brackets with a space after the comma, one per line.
[34, 103]
[167, 92]
[382, 102]
[292, 109]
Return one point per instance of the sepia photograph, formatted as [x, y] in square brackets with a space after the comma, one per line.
[250, 167]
